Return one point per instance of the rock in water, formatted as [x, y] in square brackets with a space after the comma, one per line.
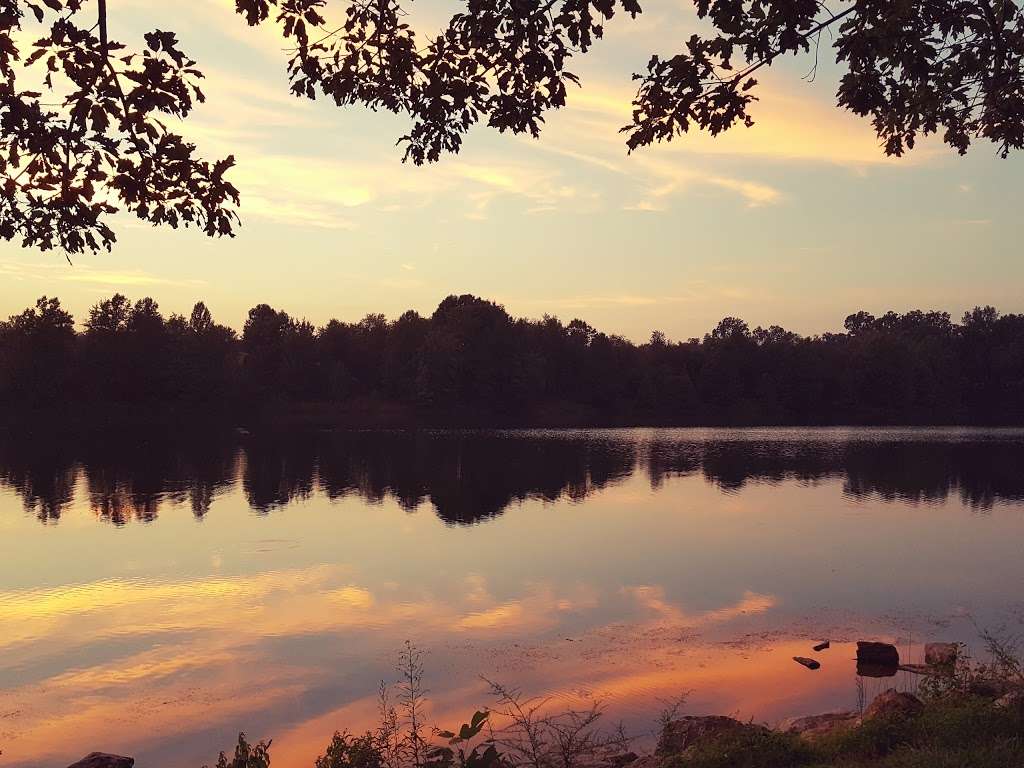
[821, 646]
[940, 654]
[809, 663]
[884, 654]
[893, 703]
[103, 760]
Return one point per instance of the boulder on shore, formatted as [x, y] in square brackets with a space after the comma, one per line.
[103, 760]
[1012, 700]
[647, 761]
[679, 735]
[989, 688]
[815, 726]
[892, 703]
[623, 759]
[941, 654]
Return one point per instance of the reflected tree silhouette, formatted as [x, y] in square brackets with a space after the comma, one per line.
[469, 477]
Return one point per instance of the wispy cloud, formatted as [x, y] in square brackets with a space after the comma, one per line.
[115, 278]
[85, 274]
[792, 122]
[589, 302]
[754, 193]
[665, 180]
[312, 186]
[308, 213]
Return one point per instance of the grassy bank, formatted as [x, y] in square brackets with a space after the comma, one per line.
[966, 732]
[958, 732]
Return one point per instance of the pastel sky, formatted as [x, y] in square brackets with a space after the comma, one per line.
[798, 221]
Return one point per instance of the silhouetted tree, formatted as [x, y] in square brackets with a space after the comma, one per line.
[471, 363]
[127, 346]
[468, 354]
[37, 353]
[263, 339]
[204, 355]
[402, 355]
[97, 142]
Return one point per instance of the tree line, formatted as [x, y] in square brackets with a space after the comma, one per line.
[470, 362]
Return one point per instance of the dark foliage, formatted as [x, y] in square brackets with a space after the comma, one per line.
[914, 68]
[919, 67]
[246, 755]
[83, 131]
[471, 363]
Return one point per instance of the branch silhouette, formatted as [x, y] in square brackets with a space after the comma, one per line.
[949, 67]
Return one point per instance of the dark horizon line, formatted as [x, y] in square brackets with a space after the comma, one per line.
[81, 326]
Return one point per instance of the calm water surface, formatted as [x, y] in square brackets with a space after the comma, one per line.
[159, 594]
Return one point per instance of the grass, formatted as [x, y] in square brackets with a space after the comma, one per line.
[962, 732]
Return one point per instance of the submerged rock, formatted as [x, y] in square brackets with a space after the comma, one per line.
[867, 669]
[941, 654]
[679, 735]
[893, 703]
[815, 726]
[809, 663]
[103, 760]
[822, 645]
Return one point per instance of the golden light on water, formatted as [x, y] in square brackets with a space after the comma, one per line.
[162, 639]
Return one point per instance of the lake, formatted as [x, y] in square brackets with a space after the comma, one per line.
[159, 593]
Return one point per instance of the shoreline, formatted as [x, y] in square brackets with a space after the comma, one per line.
[896, 729]
[375, 414]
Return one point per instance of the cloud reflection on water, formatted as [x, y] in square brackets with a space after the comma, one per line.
[626, 566]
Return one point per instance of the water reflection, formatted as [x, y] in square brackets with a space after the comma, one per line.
[469, 477]
[278, 574]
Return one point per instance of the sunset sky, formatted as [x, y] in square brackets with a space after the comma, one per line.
[797, 221]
